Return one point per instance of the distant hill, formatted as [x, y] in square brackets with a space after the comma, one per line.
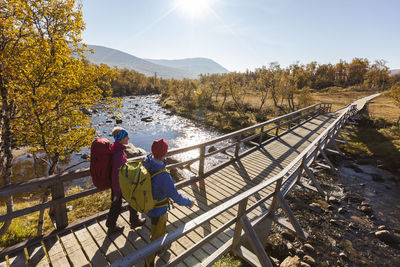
[195, 65]
[178, 69]
[394, 71]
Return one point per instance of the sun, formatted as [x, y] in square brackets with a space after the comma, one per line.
[193, 8]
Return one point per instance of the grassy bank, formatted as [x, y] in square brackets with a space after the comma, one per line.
[227, 118]
[377, 138]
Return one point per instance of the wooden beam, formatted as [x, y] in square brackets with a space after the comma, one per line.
[315, 182]
[60, 209]
[344, 139]
[41, 183]
[327, 160]
[238, 227]
[247, 255]
[25, 211]
[286, 208]
[255, 242]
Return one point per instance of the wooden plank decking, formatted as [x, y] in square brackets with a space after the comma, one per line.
[89, 245]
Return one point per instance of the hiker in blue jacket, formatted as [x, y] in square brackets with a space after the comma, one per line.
[162, 186]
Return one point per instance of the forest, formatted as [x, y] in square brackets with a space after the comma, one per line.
[253, 96]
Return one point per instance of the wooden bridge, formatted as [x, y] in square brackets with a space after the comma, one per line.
[233, 199]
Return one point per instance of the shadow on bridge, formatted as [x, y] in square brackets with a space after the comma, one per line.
[246, 171]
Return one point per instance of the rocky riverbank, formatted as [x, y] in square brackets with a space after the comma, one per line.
[356, 224]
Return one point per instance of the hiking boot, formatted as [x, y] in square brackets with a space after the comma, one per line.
[115, 229]
[138, 222]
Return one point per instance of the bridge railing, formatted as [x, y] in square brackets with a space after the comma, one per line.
[269, 129]
[281, 184]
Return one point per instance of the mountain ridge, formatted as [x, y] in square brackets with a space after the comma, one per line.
[174, 68]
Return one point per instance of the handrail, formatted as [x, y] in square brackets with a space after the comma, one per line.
[59, 179]
[43, 182]
[156, 245]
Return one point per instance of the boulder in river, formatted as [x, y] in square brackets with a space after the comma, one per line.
[386, 237]
[132, 151]
[147, 119]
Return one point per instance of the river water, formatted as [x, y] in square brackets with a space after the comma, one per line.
[178, 131]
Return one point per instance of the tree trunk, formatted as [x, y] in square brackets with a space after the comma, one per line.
[217, 93]
[6, 153]
[223, 102]
[58, 212]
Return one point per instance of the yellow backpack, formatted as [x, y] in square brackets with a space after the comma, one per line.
[135, 183]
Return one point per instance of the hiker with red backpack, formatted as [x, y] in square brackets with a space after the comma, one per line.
[163, 187]
[118, 158]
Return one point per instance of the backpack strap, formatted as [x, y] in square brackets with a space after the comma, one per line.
[163, 202]
[154, 174]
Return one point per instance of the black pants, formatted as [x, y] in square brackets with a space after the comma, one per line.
[115, 210]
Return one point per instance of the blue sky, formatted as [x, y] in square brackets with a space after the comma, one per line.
[246, 34]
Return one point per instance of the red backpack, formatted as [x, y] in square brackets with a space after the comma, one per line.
[100, 163]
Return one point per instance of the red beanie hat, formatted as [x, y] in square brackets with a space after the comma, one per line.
[159, 148]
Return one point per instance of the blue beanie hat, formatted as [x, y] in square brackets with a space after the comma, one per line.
[121, 134]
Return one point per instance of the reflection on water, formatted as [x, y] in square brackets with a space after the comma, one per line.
[178, 131]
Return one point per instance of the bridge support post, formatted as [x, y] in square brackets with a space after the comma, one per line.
[344, 139]
[273, 207]
[301, 168]
[314, 180]
[238, 227]
[327, 160]
[286, 208]
[201, 165]
[335, 146]
[255, 242]
[58, 212]
[348, 131]
[261, 136]
[237, 147]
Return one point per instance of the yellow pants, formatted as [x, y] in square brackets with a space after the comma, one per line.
[158, 229]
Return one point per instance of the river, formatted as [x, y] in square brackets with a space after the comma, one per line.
[178, 131]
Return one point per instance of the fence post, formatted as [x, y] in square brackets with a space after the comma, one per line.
[272, 208]
[59, 211]
[238, 226]
[277, 129]
[301, 169]
[238, 146]
[201, 164]
[261, 136]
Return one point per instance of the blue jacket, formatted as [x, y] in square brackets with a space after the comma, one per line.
[163, 186]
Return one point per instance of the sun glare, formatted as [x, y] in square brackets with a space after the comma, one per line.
[193, 8]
